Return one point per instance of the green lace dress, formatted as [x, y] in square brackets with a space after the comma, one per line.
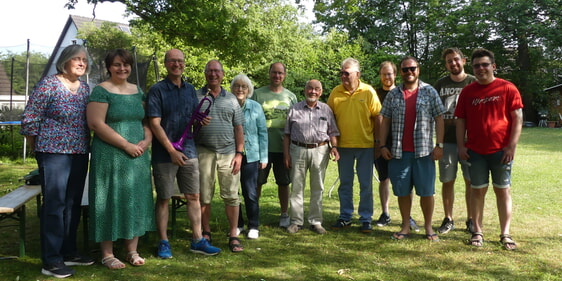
[120, 188]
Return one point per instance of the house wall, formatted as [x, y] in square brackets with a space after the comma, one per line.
[18, 101]
[69, 39]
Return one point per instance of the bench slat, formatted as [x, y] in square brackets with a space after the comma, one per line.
[12, 201]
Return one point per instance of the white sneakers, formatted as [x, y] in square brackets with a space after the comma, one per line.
[239, 230]
[253, 234]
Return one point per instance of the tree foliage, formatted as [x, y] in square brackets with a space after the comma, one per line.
[249, 35]
[17, 62]
[525, 35]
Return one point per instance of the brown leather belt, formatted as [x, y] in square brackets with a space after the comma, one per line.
[309, 145]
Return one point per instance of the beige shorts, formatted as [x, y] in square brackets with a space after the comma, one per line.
[211, 164]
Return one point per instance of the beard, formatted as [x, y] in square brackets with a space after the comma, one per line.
[311, 99]
[456, 71]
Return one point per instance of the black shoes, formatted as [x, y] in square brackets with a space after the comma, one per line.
[366, 227]
[78, 260]
[383, 220]
[446, 226]
[341, 224]
[58, 270]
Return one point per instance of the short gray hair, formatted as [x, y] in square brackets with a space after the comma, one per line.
[351, 62]
[243, 78]
[69, 53]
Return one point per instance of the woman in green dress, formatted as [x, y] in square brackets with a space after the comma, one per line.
[120, 190]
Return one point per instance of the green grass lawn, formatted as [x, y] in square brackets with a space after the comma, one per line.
[348, 254]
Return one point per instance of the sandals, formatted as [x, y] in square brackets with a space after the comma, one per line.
[235, 247]
[507, 242]
[112, 262]
[433, 237]
[399, 236]
[207, 236]
[135, 259]
[477, 239]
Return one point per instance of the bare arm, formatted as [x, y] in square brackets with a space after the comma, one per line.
[516, 126]
[145, 143]
[461, 132]
[378, 123]
[384, 131]
[239, 142]
[96, 113]
[334, 150]
[286, 151]
[439, 133]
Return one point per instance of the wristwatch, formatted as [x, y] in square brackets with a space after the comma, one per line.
[439, 144]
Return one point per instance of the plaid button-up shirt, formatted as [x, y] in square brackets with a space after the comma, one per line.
[428, 106]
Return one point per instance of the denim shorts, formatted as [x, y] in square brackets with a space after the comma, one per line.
[449, 163]
[409, 171]
[482, 165]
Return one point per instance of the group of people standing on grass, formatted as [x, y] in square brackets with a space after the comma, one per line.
[238, 136]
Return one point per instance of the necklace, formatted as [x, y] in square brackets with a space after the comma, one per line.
[69, 84]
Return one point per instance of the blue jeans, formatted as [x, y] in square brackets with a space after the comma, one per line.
[62, 185]
[362, 160]
[249, 183]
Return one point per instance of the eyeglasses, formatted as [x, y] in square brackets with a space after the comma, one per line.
[242, 87]
[178, 61]
[346, 74]
[209, 71]
[80, 59]
[478, 65]
[411, 68]
[317, 89]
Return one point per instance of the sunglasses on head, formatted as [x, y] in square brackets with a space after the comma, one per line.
[411, 68]
[478, 65]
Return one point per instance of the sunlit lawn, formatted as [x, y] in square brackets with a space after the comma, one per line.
[349, 254]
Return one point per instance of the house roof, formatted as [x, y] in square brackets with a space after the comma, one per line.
[79, 22]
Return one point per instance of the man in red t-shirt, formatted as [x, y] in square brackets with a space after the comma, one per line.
[490, 115]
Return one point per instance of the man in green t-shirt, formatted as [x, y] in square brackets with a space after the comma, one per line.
[276, 101]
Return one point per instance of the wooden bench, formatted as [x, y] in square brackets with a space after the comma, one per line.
[12, 206]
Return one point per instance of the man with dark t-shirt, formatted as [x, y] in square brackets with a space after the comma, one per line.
[449, 88]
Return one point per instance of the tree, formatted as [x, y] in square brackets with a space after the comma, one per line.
[37, 62]
[524, 34]
[525, 37]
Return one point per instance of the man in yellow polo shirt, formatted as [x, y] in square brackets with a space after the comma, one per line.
[355, 106]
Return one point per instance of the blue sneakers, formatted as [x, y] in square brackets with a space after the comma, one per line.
[164, 250]
[203, 247]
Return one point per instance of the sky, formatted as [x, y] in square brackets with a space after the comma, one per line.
[42, 21]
